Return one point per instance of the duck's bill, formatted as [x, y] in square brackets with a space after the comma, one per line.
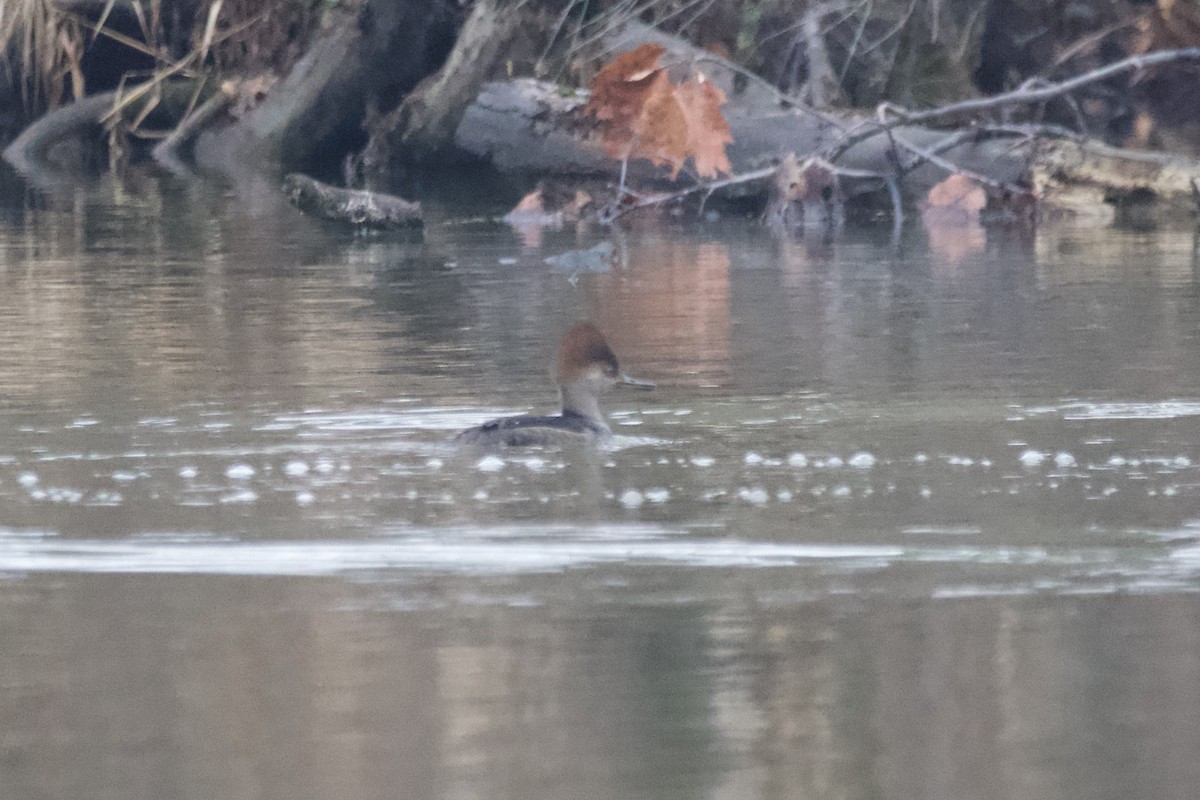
[645, 386]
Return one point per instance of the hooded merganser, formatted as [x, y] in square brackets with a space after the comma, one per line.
[586, 369]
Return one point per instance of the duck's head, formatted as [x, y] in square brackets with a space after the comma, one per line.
[587, 368]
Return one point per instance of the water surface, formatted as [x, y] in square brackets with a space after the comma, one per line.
[899, 521]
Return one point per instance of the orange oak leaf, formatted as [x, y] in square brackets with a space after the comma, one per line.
[619, 93]
[707, 130]
[956, 196]
[639, 112]
[661, 132]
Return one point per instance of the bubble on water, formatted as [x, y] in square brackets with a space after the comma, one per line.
[1116, 461]
[1182, 461]
[295, 468]
[926, 492]
[480, 494]
[324, 466]
[61, 494]
[920, 458]
[960, 461]
[105, 498]
[1170, 491]
[535, 464]
[239, 472]
[754, 495]
[1064, 459]
[841, 491]
[239, 496]
[784, 496]
[124, 476]
[834, 461]
[435, 463]
[1031, 458]
[490, 464]
[862, 460]
[985, 463]
[702, 461]
[752, 458]
[797, 460]
[188, 472]
[304, 498]
[658, 494]
[27, 479]
[632, 498]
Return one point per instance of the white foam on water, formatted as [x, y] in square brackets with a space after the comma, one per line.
[1166, 409]
[452, 550]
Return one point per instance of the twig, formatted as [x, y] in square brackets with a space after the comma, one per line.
[934, 158]
[734, 180]
[1087, 41]
[820, 70]
[177, 67]
[782, 97]
[166, 152]
[893, 186]
[1019, 96]
[562, 20]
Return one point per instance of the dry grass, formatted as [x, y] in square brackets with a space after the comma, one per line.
[42, 46]
[40, 49]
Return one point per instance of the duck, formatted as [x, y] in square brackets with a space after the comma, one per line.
[586, 369]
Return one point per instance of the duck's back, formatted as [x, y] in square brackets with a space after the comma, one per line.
[530, 431]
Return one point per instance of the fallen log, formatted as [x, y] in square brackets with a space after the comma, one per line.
[361, 209]
[535, 128]
[31, 153]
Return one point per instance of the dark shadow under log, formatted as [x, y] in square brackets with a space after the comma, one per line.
[360, 209]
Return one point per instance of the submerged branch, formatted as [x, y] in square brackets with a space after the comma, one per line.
[353, 206]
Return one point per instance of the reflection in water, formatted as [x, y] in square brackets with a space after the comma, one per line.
[670, 307]
[898, 522]
[172, 686]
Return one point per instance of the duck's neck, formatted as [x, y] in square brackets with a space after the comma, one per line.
[577, 399]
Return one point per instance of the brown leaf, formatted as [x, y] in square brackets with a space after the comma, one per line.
[619, 93]
[573, 210]
[950, 215]
[530, 203]
[958, 195]
[639, 112]
[707, 130]
[661, 132]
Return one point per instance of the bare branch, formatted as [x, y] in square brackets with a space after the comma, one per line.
[933, 158]
[1020, 96]
[660, 198]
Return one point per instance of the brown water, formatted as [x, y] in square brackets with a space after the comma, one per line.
[898, 522]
